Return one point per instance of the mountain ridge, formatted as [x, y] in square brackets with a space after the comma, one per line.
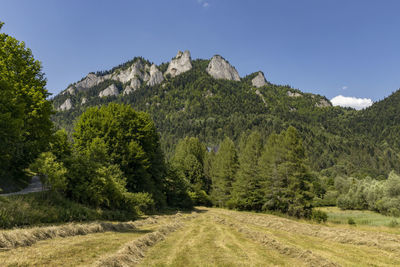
[195, 103]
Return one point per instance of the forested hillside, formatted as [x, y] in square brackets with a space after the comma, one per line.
[338, 141]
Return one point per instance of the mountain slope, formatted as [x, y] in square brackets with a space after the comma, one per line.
[207, 99]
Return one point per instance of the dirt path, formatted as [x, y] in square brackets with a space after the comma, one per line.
[34, 186]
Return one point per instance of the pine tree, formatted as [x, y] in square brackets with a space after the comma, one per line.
[272, 179]
[224, 167]
[247, 189]
[285, 175]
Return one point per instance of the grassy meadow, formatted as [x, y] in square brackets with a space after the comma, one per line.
[208, 237]
[360, 217]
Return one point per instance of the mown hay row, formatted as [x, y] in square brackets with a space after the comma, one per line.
[385, 241]
[133, 252]
[290, 251]
[27, 237]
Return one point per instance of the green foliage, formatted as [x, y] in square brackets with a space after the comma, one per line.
[247, 190]
[200, 197]
[224, 168]
[24, 111]
[393, 223]
[177, 190]
[51, 207]
[129, 140]
[376, 195]
[189, 162]
[286, 176]
[60, 145]
[51, 172]
[319, 216]
[351, 221]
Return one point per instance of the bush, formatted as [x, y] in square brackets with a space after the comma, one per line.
[201, 198]
[351, 221]
[139, 202]
[51, 172]
[319, 216]
[51, 207]
[393, 223]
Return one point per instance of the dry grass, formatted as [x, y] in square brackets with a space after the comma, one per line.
[358, 248]
[202, 242]
[27, 237]
[215, 237]
[287, 250]
[133, 252]
[69, 251]
[385, 241]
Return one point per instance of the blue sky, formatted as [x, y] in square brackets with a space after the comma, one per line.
[328, 47]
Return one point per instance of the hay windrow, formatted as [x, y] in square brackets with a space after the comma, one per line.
[26, 237]
[133, 252]
[290, 251]
[385, 241]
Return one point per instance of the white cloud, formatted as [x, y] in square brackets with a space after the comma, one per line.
[353, 102]
[344, 87]
[203, 3]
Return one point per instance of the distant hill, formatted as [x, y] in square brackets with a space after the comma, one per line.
[208, 99]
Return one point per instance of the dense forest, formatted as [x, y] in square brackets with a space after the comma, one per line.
[192, 139]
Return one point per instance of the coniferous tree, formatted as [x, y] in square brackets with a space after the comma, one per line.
[224, 167]
[247, 189]
[189, 160]
[273, 181]
[285, 175]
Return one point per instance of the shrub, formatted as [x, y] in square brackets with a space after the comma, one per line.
[319, 216]
[200, 197]
[51, 172]
[139, 202]
[393, 223]
[351, 221]
[51, 207]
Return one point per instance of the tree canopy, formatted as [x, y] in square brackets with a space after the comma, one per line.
[25, 125]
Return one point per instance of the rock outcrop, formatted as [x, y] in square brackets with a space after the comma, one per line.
[71, 90]
[67, 105]
[259, 80]
[293, 94]
[180, 64]
[90, 81]
[156, 76]
[133, 86]
[323, 103]
[111, 90]
[83, 101]
[134, 71]
[219, 68]
[262, 97]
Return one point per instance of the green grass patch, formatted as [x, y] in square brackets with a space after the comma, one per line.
[360, 217]
[47, 207]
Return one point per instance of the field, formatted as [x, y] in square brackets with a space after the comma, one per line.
[360, 217]
[206, 237]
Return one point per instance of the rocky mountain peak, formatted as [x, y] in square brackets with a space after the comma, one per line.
[180, 64]
[109, 91]
[219, 68]
[259, 80]
[156, 76]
